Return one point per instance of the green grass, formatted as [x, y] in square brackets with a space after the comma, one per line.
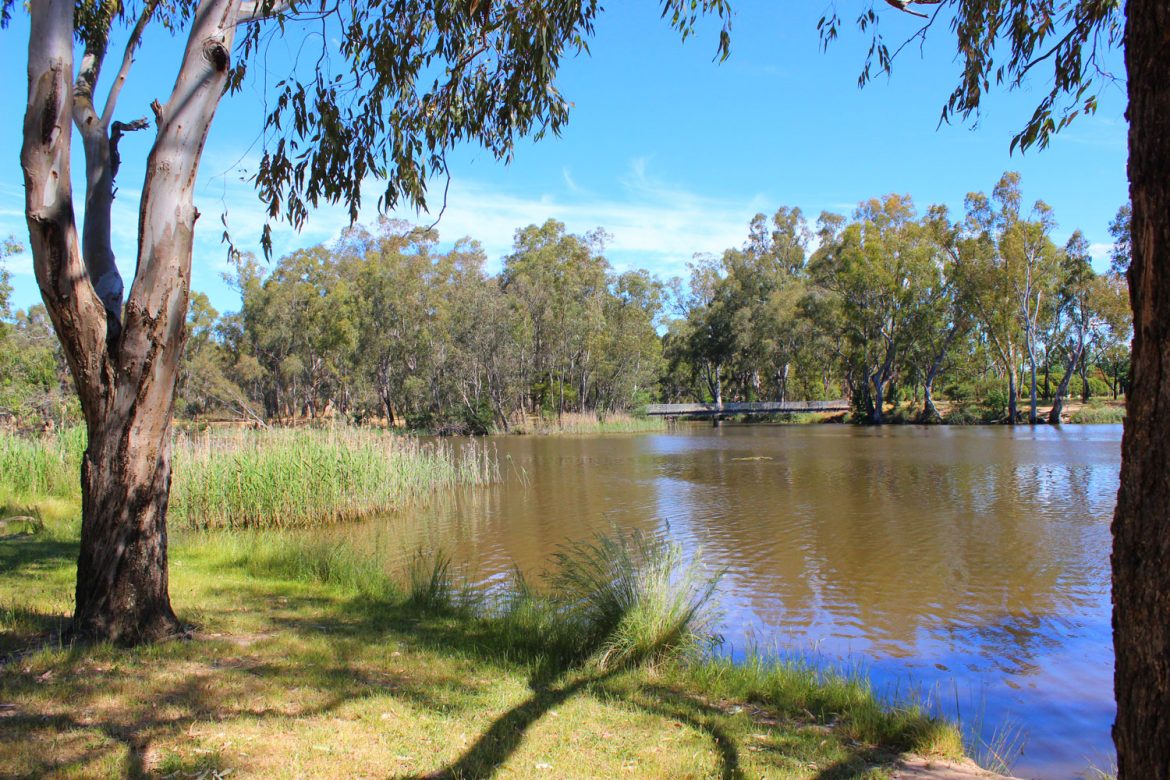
[306, 654]
[49, 465]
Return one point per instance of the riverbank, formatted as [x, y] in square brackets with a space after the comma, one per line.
[1095, 412]
[299, 658]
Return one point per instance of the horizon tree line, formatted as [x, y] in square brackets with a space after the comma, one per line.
[890, 308]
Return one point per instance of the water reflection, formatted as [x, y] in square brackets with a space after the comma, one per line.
[973, 561]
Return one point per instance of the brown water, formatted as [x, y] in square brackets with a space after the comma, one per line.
[970, 564]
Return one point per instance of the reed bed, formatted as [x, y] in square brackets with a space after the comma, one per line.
[44, 466]
[267, 479]
[1093, 414]
[579, 423]
[298, 478]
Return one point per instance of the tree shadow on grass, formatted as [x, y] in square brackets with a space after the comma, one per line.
[29, 554]
[224, 679]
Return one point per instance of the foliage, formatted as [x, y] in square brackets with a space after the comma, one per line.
[414, 80]
[632, 598]
[1001, 43]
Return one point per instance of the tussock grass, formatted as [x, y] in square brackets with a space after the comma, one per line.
[632, 599]
[434, 586]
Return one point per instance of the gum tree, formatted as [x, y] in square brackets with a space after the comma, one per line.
[415, 78]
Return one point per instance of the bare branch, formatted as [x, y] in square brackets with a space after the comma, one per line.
[127, 61]
[116, 132]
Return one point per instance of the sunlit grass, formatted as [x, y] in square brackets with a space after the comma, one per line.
[306, 654]
[1093, 414]
[42, 466]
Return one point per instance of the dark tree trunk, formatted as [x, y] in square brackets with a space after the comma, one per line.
[1141, 524]
[122, 589]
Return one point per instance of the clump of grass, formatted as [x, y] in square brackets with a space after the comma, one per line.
[296, 478]
[434, 586]
[963, 414]
[632, 599]
[1098, 415]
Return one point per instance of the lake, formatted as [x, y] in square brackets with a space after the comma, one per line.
[967, 564]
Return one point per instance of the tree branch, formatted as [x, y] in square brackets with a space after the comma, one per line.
[252, 12]
[904, 5]
[127, 61]
[76, 311]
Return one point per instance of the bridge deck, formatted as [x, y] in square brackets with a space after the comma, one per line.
[755, 407]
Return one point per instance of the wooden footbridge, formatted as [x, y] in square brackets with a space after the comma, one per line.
[754, 407]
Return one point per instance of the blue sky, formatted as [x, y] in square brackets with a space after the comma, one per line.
[669, 151]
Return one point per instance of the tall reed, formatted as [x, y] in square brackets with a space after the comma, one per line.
[44, 466]
[296, 478]
[578, 423]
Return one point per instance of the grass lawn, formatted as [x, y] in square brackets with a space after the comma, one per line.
[288, 677]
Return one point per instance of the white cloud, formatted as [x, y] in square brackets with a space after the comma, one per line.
[653, 224]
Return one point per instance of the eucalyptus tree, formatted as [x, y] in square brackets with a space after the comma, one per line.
[770, 275]
[630, 352]
[1074, 314]
[945, 317]
[711, 338]
[395, 274]
[8, 247]
[877, 270]
[1011, 267]
[413, 80]
[557, 282]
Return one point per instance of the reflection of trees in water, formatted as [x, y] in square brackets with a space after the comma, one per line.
[895, 541]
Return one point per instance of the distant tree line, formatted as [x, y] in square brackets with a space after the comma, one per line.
[386, 325]
[892, 309]
[896, 307]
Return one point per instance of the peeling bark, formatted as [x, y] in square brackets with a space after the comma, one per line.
[126, 375]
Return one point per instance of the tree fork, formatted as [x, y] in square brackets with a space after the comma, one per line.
[126, 382]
